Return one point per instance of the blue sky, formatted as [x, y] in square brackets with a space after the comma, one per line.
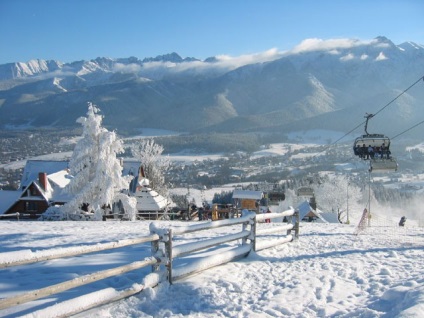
[72, 30]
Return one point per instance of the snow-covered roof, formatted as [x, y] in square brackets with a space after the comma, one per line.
[60, 178]
[50, 167]
[330, 217]
[150, 200]
[58, 181]
[247, 194]
[7, 198]
[304, 208]
[34, 167]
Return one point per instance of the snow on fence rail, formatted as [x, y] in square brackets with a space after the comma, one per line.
[249, 236]
[288, 227]
[163, 256]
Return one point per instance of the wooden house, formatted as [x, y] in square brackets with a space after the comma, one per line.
[41, 193]
[247, 199]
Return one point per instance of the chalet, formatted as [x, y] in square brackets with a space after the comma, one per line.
[34, 167]
[41, 193]
[41, 186]
[43, 181]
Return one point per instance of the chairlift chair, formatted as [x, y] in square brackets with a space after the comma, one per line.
[379, 162]
[383, 165]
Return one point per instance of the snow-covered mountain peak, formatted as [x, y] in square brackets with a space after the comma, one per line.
[383, 40]
[411, 46]
[170, 57]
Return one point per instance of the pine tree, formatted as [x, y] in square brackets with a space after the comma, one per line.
[97, 173]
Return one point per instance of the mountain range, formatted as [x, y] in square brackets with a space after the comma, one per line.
[318, 84]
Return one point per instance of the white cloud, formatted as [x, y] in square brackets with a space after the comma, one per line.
[225, 63]
[130, 68]
[315, 44]
[347, 57]
[228, 61]
[221, 63]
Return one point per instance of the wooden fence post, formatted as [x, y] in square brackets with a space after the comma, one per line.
[289, 221]
[155, 251]
[253, 233]
[168, 250]
[296, 225]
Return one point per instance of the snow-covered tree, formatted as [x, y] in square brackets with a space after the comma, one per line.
[336, 193]
[97, 173]
[154, 164]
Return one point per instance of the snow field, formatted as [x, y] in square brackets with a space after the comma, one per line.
[328, 272]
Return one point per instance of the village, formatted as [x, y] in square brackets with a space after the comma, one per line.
[41, 181]
[44, 180]
[32, 189]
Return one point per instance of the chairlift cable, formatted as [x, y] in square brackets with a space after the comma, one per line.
[407, 130]
[363, 122]
[399, 95]
[394, 99]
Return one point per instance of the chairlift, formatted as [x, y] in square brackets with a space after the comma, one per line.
[305, 192]
[380, 158]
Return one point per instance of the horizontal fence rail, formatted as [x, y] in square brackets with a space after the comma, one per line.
[248, 236]
[163, 255]
[76, 282]
[27, 257]
[277, 228]
[82, 280]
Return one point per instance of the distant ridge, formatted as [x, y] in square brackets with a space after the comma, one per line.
[317, 84]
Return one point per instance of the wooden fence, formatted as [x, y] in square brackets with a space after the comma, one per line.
[164, 253]
[249, 236]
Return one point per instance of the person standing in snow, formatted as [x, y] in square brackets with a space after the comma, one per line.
[268, 220]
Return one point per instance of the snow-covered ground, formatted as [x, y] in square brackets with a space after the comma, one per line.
[328, 272]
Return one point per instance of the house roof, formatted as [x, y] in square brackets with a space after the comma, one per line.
[34, 167]
[150, 200]
[329, 217]
[247, 194]
[7, 198]
[304, 208]
[57, 182]
[50, 167]
[58, 176]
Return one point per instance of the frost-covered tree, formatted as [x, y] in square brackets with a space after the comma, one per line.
[335, 193]
[155, 165]
[97, 181]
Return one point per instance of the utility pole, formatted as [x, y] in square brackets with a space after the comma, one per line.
[347, 202]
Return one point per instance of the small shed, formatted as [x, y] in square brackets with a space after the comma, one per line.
[304, 209]
[247, 199]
